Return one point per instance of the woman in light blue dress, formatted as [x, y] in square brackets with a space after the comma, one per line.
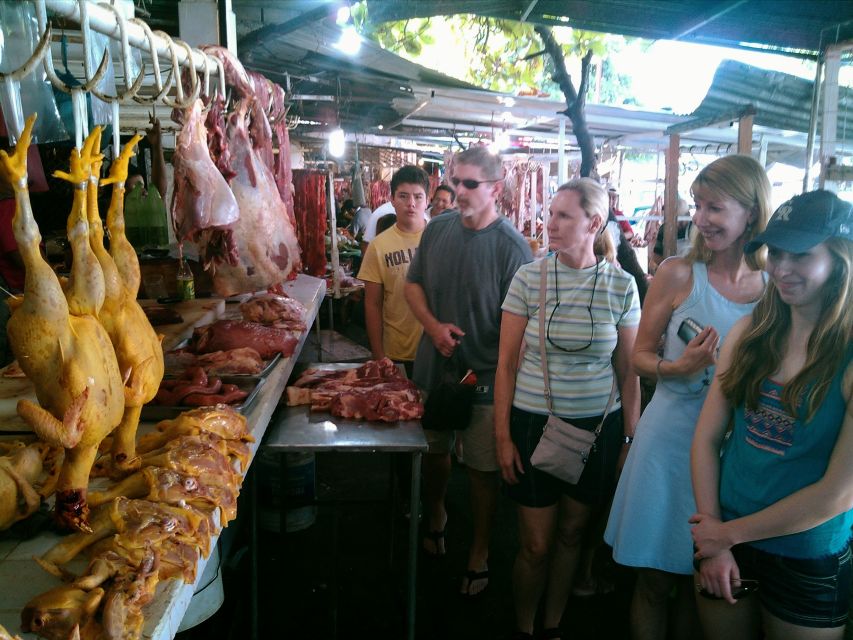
[713, 286]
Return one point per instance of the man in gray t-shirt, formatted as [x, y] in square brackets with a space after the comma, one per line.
[455, 287]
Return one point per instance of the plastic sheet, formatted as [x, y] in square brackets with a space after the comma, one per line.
[19, 36]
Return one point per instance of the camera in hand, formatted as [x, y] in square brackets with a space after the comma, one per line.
[689, 329]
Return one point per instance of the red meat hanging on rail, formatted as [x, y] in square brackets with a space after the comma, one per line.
[380, 193]
[309, 205]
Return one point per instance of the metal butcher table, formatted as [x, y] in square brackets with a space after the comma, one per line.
[299, 430]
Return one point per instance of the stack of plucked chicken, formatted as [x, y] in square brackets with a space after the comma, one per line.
[151, 526]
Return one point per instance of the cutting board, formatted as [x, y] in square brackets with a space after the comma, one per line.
[195, 314]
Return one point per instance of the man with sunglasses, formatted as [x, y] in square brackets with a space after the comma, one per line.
[456, 284]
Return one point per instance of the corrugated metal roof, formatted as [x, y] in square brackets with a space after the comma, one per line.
[793, 24]
[782, 101]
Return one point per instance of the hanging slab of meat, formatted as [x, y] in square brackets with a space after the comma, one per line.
[375, 391]
[309, 206]
[274, 309]
[223, 335]
[283, 172]
[217, 145]
[235, 75]
[69, 358]
[201, 198]
[267, 249]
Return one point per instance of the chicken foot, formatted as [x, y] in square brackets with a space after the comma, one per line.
[67, 433]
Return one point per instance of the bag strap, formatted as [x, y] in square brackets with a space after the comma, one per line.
[543, 354]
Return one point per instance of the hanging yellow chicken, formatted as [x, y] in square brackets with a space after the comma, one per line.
[137, 346]
[59, 343]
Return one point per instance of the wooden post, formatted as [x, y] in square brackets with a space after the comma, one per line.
[744, 135]
[670, 197]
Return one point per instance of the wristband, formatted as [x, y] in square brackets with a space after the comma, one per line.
[657, 366]
[627, 439]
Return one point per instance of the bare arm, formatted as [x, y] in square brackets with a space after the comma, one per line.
[444, 335]
[670, 287]
[158, 161]
[802, 510]
[629, 382]
[512, 334]
[373, 302]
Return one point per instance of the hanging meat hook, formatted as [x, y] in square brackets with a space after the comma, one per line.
[180, 101]
[33, 61]
[130, 89]
[195, 84]
[159, 88]
[41, 15]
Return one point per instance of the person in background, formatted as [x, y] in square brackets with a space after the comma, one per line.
[145, 210]
[592, 311]
[11, 266]
[683, 237]
[360, 215]
[622, 233]
[392, 328]
[346, 214]
[714, 285]
[442, 200]
[455, 287]
[776, 510]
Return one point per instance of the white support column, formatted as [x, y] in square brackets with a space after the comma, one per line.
[198, 22]
[828, 141]
[562, 169]
[534, 200]
[546, 200]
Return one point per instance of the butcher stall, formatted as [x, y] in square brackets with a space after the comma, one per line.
[139, 394]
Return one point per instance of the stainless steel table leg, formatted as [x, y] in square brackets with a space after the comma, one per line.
[253, 543]
[415, 506]
[319, 341]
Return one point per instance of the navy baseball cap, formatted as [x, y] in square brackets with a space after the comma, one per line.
[805, 221]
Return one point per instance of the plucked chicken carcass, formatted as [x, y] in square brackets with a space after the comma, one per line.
[267, 249]
[18, 472]
[59, 343]
[137, 346]
[56, 613]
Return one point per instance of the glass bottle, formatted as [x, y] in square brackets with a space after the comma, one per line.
[186, 283]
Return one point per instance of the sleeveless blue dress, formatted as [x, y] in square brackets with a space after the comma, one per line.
[648, 525]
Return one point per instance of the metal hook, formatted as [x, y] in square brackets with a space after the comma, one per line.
[33, 61]
[131, 89]
[91, 80]
[159, 89]
[179, 102]
[206, 73]
[195, 84]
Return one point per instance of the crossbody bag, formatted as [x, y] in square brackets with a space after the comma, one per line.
[563, 449]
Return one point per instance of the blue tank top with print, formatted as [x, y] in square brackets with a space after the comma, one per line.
[771, 455]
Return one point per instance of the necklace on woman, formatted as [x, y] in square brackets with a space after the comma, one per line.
[557, 306]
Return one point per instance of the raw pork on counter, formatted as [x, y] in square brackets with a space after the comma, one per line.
[377, 391]
[223, 335]
[275, 309]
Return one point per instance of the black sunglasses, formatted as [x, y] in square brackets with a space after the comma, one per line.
[588, 309]
[468, 183]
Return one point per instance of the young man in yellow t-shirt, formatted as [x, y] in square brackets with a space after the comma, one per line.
[392, 328]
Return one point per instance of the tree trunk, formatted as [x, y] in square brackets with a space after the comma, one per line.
[575, 99]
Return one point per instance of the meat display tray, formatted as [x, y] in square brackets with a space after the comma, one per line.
[155, 412]
[263, 373]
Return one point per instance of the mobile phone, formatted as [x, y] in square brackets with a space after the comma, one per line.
[689, 329]
[740, 589]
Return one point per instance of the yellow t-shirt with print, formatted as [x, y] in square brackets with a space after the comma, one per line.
[386, 262]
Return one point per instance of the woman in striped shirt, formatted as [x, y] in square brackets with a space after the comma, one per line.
[591, 315]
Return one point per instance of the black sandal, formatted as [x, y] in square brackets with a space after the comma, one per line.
[469, 578]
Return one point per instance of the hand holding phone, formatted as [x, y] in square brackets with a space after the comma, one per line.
[689, 329]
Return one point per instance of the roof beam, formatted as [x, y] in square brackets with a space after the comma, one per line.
[259, 36]
[724, 8]
[724, 116]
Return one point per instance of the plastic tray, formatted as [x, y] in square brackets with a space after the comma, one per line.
[252, 384]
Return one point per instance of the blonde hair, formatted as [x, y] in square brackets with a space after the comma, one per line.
[743, 179]
[761, 349]
[595, 202]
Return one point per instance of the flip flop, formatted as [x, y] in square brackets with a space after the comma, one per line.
[437, 539]
[471, 576]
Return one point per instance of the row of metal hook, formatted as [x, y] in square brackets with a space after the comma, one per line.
[131, 91]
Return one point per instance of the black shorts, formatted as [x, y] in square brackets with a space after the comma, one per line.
[805, 592]
[539, 489]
